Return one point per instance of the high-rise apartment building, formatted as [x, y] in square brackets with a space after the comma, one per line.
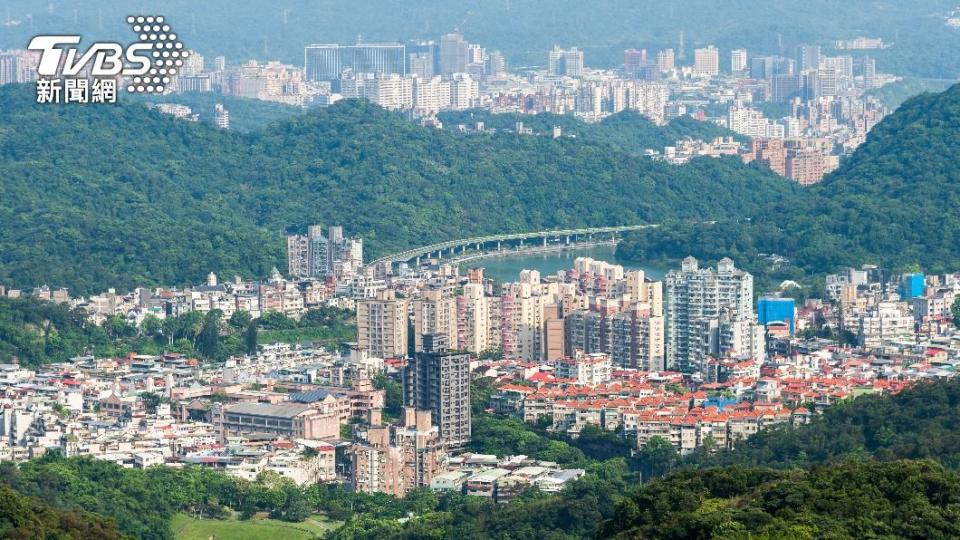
[474, 315]
[808, 57]
[454, 54]
[738, 61]
[423, 58]
[770, 153]
[396, 459]
[869, 72]
[665, 60]
[438, 380]
[567, 62]
[18, 66]
[382, 325]
[522, 323]
[706, 61]
[805, 166]
[634, 61]
[496, 64]
[314, 255]
[697, 300]
[434, 313]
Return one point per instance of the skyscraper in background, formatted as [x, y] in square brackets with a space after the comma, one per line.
[380, 58]
[326, 62]
[706, 61]
[633, 61]
[869, 72]
[738, 60]
[808, 57]
[665, 59]
[567, 62]
[322, 62]
[423, 58]
[454, 54]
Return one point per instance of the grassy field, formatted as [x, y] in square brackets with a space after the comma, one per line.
[188, 528]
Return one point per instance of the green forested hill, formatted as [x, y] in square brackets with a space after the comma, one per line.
[119, 196]
[893, 202]
[903, 499]
[878, 466]
[627, 130]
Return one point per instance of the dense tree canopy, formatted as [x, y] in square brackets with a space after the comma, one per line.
[892, 203]
[36, 332]
[120, 196]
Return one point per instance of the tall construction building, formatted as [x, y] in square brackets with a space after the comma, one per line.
[698, 300]
[382, 325]
[438, 380]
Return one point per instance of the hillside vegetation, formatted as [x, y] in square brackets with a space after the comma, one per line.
[99, 197]
[893, 203]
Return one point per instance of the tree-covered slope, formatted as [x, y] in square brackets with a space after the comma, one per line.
[627, 130]
[901, 499]
[893, 202]
[918, 423]
[25, 518]
[879, 466]
[102, 196]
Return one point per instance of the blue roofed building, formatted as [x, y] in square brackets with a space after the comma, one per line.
[771, 310]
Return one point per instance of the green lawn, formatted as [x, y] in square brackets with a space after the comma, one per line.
[189, 528]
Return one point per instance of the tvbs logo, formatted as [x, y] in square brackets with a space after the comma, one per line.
[147, 65]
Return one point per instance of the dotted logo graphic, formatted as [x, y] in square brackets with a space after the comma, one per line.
[168, 54]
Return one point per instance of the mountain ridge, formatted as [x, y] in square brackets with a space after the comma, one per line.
[120, 196]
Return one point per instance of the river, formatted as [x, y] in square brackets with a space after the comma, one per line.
[508, 268]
